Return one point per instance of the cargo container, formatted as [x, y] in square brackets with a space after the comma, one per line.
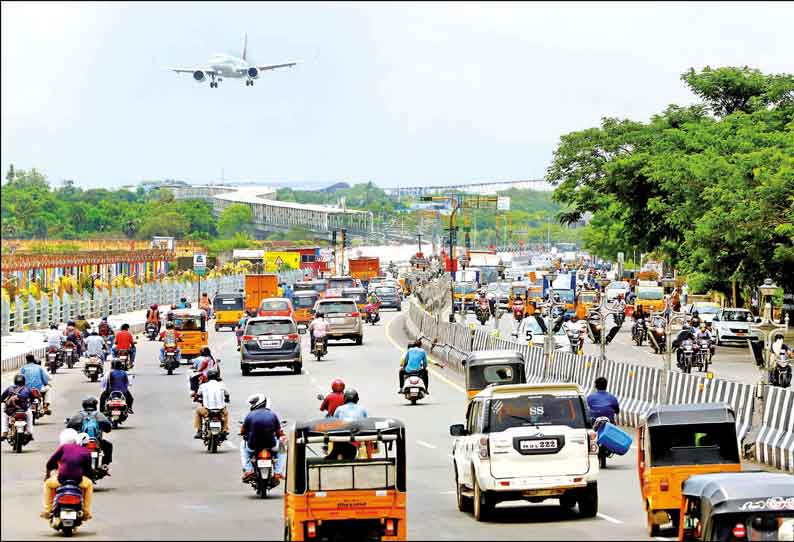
[259, 287]
[364, 268]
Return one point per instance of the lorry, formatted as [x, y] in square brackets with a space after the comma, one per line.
[364, 268]
[259, 287]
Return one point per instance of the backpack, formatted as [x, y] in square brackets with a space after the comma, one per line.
[91, 426]
[169, 339]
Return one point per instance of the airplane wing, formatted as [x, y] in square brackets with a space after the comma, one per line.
[275, 66]
[191, 70]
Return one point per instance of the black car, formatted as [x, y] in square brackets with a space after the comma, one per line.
[270, 341]
[389, 297]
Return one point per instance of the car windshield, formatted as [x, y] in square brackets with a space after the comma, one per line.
[341, 283]
[274, 306]
[464, 288]
[304, 302]
[390, 292]
[272, 327]
[706, 309]
[228, 303]
[565, 295]
[737, 316]
[188, 324]
[336, 307]
[536, 410]
[618, 286]
[650, 293]
[589, 297]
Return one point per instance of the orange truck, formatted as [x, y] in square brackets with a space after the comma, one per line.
[259, 287]
[364, 268]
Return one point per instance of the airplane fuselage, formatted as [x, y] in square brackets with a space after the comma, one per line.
[228, 66]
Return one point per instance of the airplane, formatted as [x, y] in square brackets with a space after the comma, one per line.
[221, 65]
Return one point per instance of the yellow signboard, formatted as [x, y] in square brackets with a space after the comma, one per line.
[275, 261]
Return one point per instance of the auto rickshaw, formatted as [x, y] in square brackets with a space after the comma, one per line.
[493, 367]
[192, 326]
[679, 441]
[519, 290]
[587, 299]
[737, 506]
[228, 309]
[346, 480]
[360, 295]
[303, 302]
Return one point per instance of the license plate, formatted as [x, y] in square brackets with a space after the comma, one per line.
[19, 424]
[545, 444]
[68, 514]
[414, 390]
[92, 369]
[94, 454]
[264, 463]
[269, 344]
[215, 425]
[337, 320]
[116, 413]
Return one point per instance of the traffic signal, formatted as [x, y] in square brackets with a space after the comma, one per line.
[333, 239]
[344, 238]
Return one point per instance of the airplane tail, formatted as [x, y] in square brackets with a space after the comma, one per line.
[245, 47]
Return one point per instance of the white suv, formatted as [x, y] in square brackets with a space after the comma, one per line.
[526, 442]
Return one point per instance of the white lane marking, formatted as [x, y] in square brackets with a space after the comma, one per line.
[663, 538]
[425, 444]
[609, 518]
[448, 492]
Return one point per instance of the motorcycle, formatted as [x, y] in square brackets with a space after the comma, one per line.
[704, 354]
[93, 368]
[264, 478]
[639, 331]
[603, 453]
[780, 375]
[37, 405]
[372, 314]
[518, 310]
[67, 508]
[576, 338]
[658, 339]
[123, 356]
[320, 348]
[17, 435]
[69, 355]
[97, 471]
[116, 408]
[211, 430]
[151, 330]
[170, 361]
[483, 312]
[687, 355]
[414, 388]
[54, 360]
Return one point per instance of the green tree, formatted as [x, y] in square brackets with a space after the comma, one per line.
[236, 217]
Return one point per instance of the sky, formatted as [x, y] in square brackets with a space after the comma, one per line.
[400, 94]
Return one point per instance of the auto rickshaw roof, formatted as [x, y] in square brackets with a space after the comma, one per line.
[305, 293]
[189, 313]
[690, 414]
[731, 492]
[483, 357]
[354, 290]
[339, 426]
[229, 294]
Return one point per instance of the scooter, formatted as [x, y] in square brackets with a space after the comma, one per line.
[116, 408]
[151, 330]
[576, 338]
[97, 471]
[603, 453]
[17, 435]
[414, 388]
[372, 313]
[93, 368]
[639, 331]
[170, 361]
[69, 355]
[67, 508]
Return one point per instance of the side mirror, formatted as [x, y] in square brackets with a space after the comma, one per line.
[302, 330]
[320, 397]
[716, 319]
[457, 430]
[758, 320]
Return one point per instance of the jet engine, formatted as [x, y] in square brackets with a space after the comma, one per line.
[199, 76]
[253, 73]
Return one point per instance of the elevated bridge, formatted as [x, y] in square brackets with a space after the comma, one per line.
[484, 188]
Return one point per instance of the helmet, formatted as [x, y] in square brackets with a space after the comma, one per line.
[19, 380]
[338, 385]
[89, 403]
[53, 326]
[70, 323]
[153, 307]
[351, 396]
[81, 438]
[118, 365]
[257, 400]
[67, 436]
[169, 325]
[694, 313]
[213, 374]
[81, 317]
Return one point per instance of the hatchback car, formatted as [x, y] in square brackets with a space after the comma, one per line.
[389, 297]
[343, 317]
[526, 442]
[529, 330]
[270, 341]
[275, 306]
[733, 326]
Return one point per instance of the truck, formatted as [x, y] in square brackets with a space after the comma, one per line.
[364, 268]
[259, 287]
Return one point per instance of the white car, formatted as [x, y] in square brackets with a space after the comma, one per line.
[733, 325]
[616, 288]
[706, 310]
[526, 442]
[529, 330]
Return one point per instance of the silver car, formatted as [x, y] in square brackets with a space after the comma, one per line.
[733, 326]
[344, 320]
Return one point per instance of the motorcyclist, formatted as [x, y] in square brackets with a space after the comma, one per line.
[170, 338]
[73, 335]
[206, 305]
[483, 304]
[183, 304]
[261, 430]
[695, 320]
[639, 317]
[201, 366]
[780, 374]
[82, 324]
[414, 362]
[335, 399]
[213, 395]
[317, 328]
[686, 333]
[373, 298]
[704, 334]
[576, 326]
[116, 380]
[55, 338]
[601, 402]
[620, 305]
[153, 316]
[105, 329]
[37, 379]
[350, 410]
[17, 398]
[124, 341]
[95, 346]
[70, 463]
[94, 423]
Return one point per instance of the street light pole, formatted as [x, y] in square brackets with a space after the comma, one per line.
[603, 310]
[548, 338]
[663, 396]
[452, 260]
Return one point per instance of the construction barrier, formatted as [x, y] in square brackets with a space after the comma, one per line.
[774, 445]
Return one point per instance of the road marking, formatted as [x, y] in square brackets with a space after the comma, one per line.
[430, 369]
[448, 492]
[609, 518]
[663, 538]
[426, 444]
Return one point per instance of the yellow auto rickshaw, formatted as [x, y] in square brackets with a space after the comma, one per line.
[679, 441]
[354, 491]
[302, 303]
[586, 300]
[493, 367]
[228, 309]
[192, 327]
[518, 290]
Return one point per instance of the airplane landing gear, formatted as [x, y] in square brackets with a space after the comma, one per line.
[249, 82]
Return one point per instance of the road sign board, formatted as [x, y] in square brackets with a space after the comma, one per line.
[503, 203]
[199, 263]
[621, 256]
[281, 260]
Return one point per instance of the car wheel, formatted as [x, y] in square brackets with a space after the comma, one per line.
[482, 504]
[717, 338]
[297, 368]
[588, 502]
[567, 502]
[360, 340]
[245, 370]
[464, 502]
[217, 328]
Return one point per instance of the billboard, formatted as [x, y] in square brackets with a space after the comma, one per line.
[281, 260]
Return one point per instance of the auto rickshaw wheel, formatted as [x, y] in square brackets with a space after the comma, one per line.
[217, 327]
[287, 533]
[653, 528]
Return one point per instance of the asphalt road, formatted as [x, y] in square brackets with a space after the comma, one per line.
[165, 485]
[730, 362]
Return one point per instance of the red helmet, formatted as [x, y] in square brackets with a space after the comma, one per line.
[338, 385]
[154, 307]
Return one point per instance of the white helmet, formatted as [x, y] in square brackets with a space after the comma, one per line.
[67, 436]
[82, 439]
[258, 400]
